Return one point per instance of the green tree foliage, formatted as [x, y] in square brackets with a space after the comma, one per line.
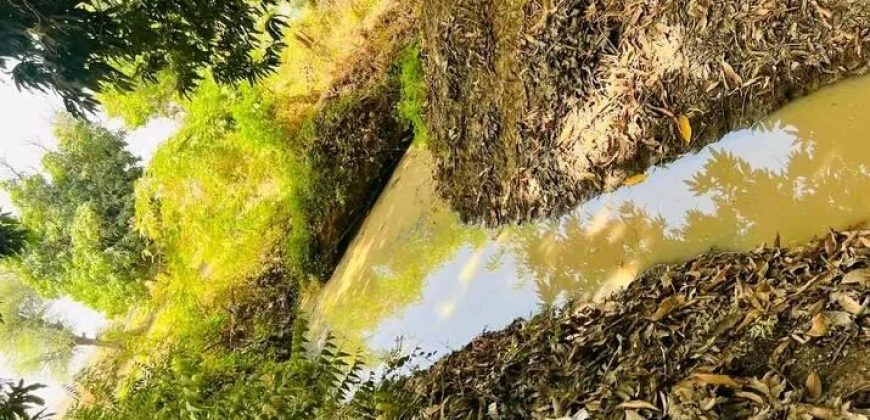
[80, 212]
[78, 47]
[13, 236]
[29, 338]
[145, 100]
[17, 400]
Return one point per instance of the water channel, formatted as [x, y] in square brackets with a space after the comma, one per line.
[415, 277]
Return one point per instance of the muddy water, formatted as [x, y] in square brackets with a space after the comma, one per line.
[415, 277]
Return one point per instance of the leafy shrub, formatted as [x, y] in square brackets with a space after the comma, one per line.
[187, 382]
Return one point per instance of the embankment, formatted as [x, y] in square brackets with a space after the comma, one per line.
[773, 333]
[535, 106]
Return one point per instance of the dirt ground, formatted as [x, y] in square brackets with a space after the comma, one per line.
[769, 334]
[536, 105]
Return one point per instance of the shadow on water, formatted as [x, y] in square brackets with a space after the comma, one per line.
[415, 273]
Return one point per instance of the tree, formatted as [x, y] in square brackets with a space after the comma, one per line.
[78, 47]
[13, 236]
[79, 213]
[29, 338]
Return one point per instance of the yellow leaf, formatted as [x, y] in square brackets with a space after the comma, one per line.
[857, 276]
[820, 326]
[667, 306]
[634, 180]
[814, 386]
[713, 379]
[685, 128]
[850, 305]
[637, 405]
[731, 74]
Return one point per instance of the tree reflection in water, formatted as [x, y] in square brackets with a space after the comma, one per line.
[439, 283]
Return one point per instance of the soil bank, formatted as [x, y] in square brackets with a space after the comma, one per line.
[537, 105]
[773, 333]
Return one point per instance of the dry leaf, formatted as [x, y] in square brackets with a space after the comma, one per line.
[634, 180]
[861, 276]
[633, 415]
[637, 405]
[714, 379]
[814, 386]
[821, 412]
[819, 327]
[850, 305]
[830, 245]
[750, 396]
[731, 74]
[839, 318]
[668, 305]
[685, 128]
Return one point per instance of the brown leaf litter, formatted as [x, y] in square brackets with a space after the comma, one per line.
[723, 336]
[536, 105]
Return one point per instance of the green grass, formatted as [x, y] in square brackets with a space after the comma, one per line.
[412, 106]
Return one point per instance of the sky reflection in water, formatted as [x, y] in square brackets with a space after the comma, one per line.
[415, 273]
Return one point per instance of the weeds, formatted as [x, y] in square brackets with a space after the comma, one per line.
[412, 105]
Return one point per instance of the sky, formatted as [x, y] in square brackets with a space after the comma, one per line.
[26, 118]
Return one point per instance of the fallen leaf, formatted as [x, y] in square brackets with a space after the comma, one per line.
[850, 305]
[685, 128]
[731, 74]
[714, 379]
[637, 405]
[633, 415]
[830, 245]
[839, 318]
[819, 327]
[857, 276]
[814, 386]
[634, 180]
[750, 396]
[821, 412]
[668, 305]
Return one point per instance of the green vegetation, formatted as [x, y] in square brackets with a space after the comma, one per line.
[203, 257]
[143, 101]
[412, 106]
[252, 382]
[78, 214]
[17, 401]
[85, 46]
[13, 236]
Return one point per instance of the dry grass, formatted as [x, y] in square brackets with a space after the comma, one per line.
[331, 43]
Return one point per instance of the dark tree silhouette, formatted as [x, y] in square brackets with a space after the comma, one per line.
[77, 47]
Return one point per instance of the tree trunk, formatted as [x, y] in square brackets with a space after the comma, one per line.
[82, 340]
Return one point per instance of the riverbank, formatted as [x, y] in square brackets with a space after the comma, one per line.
[586, 94]
[251, 207]
[725, 335]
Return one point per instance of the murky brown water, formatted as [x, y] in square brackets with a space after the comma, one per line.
[414, 275]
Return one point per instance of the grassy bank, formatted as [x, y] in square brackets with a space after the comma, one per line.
[246, 208]
[535, 107]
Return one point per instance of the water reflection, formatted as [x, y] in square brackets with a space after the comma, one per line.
[415, 273]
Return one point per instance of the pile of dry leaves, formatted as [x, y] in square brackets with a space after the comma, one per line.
[536, 105]
[772, 333]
